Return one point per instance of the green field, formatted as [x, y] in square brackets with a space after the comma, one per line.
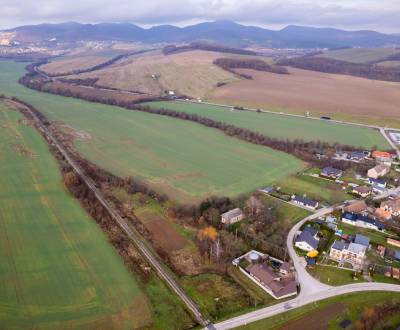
[360, 55]
[328, 314]
[183, 159]
[57, 269]
[284, 127]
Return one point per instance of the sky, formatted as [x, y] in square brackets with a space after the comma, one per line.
[379, 15]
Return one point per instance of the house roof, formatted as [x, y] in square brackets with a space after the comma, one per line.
[381, 214]
[394, 204]
[357, 154]
[311, 230]
[349, 216]
[364, 218]
[356, 248]
[305, 201]
[232, 214]
[381, 154]
[397, 254]
[376, 181]
[361, 239]
[286, 266]
[307, 237]
[357, 207]
[339, 245]
[381, 168]
[266, 275]
[363, 189]
[331, 171]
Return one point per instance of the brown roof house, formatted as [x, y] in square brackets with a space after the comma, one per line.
[363, 191]
[382, 214]
[271, 281]
[392, 206]
[356, 207]
[232, 216]
[378, 171]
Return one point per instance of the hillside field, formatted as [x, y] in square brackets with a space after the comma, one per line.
[57, 269]
[360, 55]
[339, 96]
[283, 127]
[190, 73]
[183, 159]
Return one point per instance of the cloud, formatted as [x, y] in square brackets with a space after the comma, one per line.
[351, 14]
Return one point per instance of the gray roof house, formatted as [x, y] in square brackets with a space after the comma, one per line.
[362, 240]
[306, 241]
[232, 216]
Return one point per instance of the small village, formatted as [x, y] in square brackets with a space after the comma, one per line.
[356, 240]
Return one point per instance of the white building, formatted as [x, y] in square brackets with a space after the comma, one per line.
[232, 216]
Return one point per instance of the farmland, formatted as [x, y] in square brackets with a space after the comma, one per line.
[57, 268]
[191, 73]
[175, 157]
[69, 65]
[340, 96]
[360, 55]
[284, 127]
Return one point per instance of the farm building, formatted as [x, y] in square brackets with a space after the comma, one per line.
[307, 240]
[349, 252]
[362, 221]
[378, 171]
[305, 202]
[392, 206]
[232, 216]
[362, 191]
[331, 172]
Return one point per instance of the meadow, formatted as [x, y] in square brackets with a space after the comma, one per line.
[339, 96]
[57, 269]
[190, 73]
[183, 159]
[284, 127]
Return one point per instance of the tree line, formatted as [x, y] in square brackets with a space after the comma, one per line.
[173, 49]
[327, 65]
[229, 64]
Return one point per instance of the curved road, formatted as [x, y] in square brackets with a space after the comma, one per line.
[311, 290]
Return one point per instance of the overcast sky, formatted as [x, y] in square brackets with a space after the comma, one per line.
[381, 15]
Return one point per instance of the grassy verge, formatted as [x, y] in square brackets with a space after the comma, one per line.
[334, 276]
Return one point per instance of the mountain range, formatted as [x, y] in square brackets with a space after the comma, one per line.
[227, 32]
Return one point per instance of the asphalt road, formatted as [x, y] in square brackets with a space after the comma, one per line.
[136, 238]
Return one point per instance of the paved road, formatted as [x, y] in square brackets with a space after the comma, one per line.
[136, 238]
[302, 301]
[308, 284]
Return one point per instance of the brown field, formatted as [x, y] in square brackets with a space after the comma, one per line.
[68, 65]
[99, 94]
[318, 320]
[390, 64]
[340, 96]
[191, 73]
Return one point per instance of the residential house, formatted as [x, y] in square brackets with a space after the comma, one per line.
[348, 252]
[309, 203]
[382, 214]
[392, 206]
[331, 172]
[377, 183]
[361, 239]
[378, 171]
[362, 191]
[307, 240]
[357, 155]
[363, 221]
[232, 216]
[380, 154]
[356, 207]
[271, 281]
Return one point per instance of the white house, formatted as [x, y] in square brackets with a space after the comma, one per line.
[307, 240]
[378, 171]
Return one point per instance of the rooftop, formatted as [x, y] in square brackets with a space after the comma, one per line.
[307, 237]
[356, 248]
[305, 201]
[232, 213]
[339, 245]
[361, 239]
